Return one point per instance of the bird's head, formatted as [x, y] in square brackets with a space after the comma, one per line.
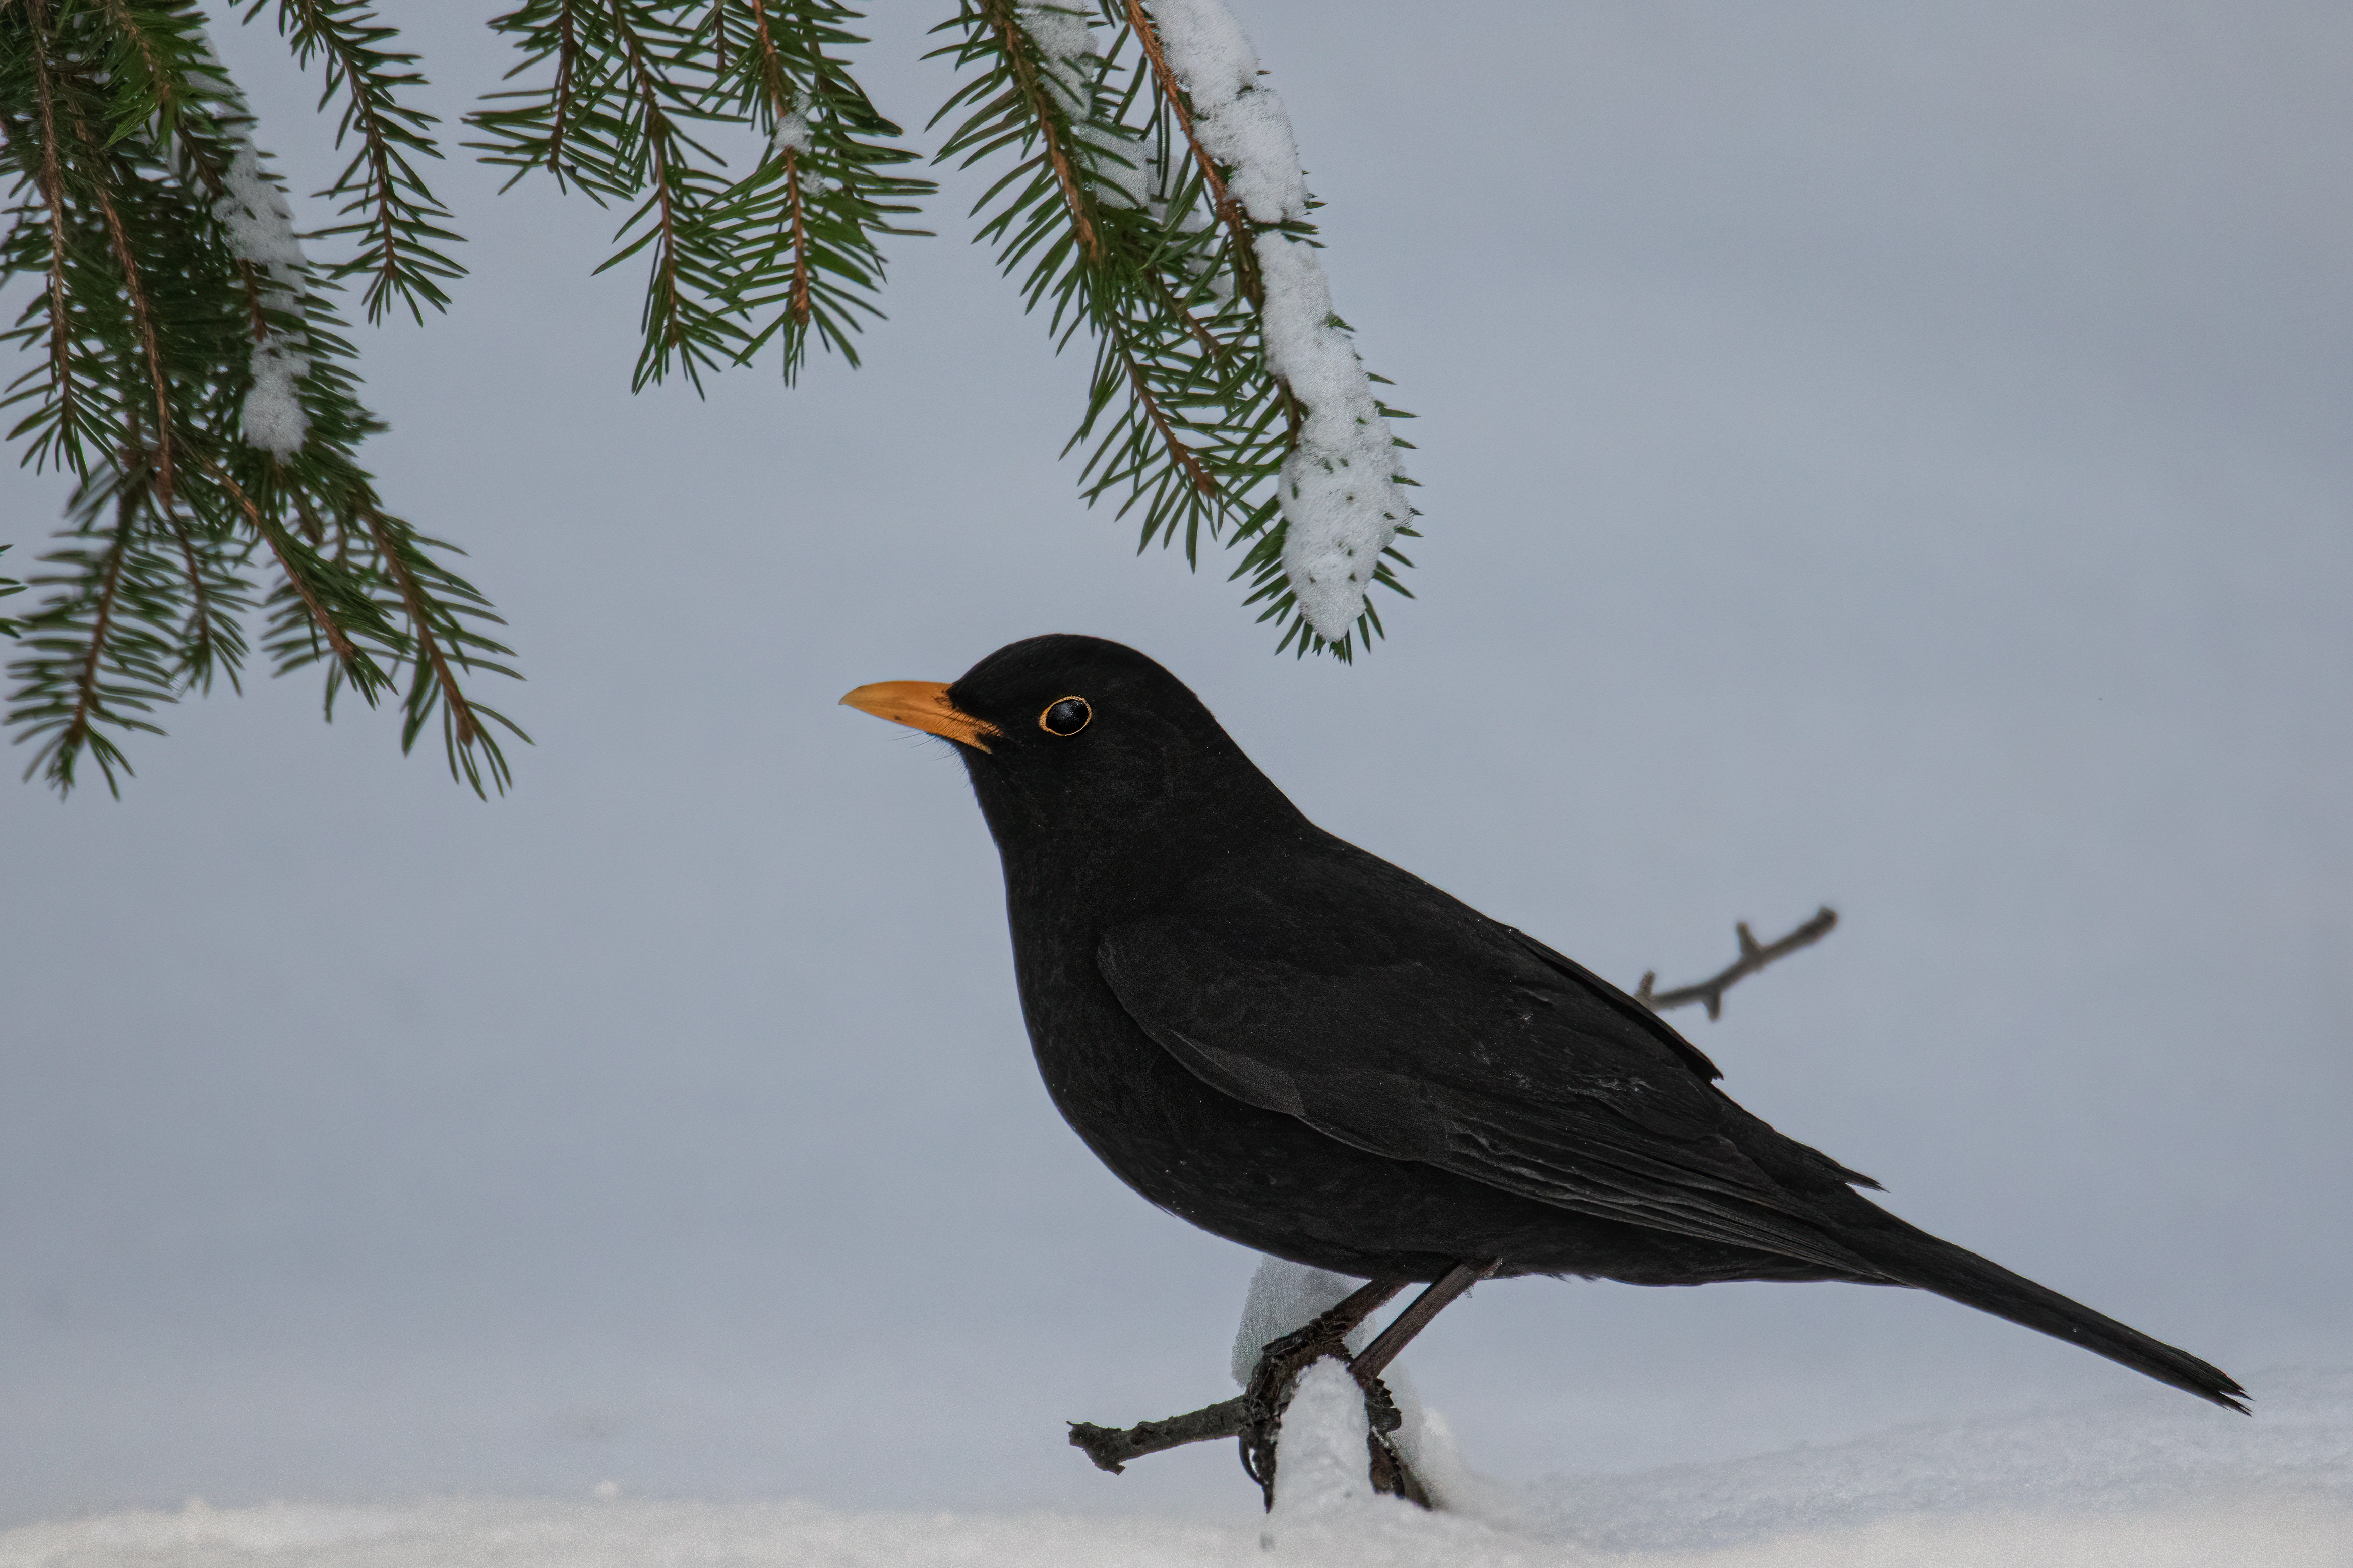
[1066, 734]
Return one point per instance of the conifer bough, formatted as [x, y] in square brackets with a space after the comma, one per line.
[187, 365]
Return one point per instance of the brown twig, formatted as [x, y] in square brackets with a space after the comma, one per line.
[376, 143]
[1256, 1414]
[53, 195]
[799, 302]
[719, 33]
[117, 236]
[772, 65]
[780, 103]
[1175, 307]
[136, 295]
[1754, 956]
[429, 651]
[1186, 457]
[87, 693]
[345, 652]
[1112, 1446]
[203, 652]
[657, 137]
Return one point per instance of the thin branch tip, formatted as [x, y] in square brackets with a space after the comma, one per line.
[1754, 956]
[1111, 1448]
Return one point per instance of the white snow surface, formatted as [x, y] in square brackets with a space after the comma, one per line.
[1340, 500]
[2149, 1481]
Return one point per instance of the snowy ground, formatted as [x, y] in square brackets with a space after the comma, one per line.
[2148, 1482]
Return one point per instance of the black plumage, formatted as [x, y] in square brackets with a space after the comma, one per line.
[1297, 1046]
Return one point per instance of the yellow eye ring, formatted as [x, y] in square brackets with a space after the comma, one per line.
[1066, 716]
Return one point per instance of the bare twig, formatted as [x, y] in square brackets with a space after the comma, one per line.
[1753, 957]
[1112, 1446]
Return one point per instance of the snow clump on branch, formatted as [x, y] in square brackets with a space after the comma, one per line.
[1113, 157]
[1342, 504]
[792, 134]
[259, 228]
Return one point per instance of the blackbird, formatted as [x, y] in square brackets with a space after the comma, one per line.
[1299, 1046]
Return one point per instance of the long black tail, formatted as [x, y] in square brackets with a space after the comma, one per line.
[1911, 1256]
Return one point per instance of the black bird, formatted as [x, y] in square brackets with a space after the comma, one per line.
[1298, 1046]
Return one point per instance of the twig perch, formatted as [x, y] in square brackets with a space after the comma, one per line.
[1753, 957]
[1112, 1446]
[1256, 1415]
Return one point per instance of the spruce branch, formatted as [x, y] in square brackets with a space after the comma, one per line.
[196, 378]
[1118, 216]
[135, 295]
[790, 249]
[391, 212]
[66, 425]
[439, 606]
[186, 363]
[813, 210]
[100, 654]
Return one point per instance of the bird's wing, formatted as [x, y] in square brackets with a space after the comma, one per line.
[1396, 1019]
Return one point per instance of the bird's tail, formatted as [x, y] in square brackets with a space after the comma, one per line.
[1911, 1256]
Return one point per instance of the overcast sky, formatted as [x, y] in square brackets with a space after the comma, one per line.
[1888, 457]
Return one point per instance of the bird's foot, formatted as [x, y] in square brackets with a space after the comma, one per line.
[1269, 1395]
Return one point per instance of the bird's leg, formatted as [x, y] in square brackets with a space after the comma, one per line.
[1391, 1473]
[1282, 1362]
[1384, 1349]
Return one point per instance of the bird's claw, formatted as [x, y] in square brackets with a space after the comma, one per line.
[1269, 1395]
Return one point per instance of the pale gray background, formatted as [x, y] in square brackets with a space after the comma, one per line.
[1893, 457]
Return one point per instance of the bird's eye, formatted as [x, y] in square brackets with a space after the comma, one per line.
[1065, 716]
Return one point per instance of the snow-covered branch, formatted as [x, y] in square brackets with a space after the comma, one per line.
[1342, 505]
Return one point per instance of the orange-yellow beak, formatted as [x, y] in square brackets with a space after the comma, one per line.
[922, 705]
